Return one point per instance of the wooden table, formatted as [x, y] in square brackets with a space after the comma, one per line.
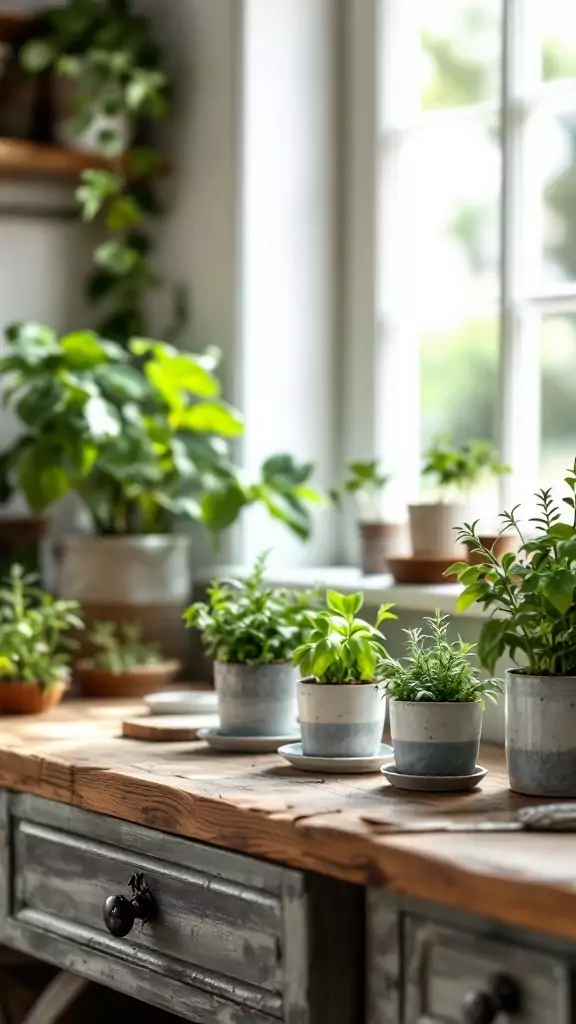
[353, 829]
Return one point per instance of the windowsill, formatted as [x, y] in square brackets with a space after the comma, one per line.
[376, 589]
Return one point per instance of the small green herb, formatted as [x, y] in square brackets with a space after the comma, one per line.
[363, 479]
[33, 624]
[463, 467]
[343, 648]
[120, 648]
[436, 669]
[534, 590]
[246, 622]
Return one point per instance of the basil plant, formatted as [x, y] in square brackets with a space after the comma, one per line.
[141, 436]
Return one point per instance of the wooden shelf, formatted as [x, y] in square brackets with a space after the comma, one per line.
[20, 159]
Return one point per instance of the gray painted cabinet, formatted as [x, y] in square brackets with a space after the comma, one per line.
[235, 940]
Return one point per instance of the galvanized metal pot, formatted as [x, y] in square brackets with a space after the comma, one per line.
[256, 700]
[541, 734]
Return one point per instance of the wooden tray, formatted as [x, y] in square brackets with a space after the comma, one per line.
[167, 728]
[421, 570]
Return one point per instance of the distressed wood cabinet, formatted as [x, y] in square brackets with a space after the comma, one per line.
[234, 939]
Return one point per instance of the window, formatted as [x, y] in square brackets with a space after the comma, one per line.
[476, 279]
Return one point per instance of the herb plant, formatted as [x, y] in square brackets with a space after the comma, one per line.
[139, 442]
[343, 648]
[436, 669]
[461, 468]
[246, 622]
[533, 591]
[120, 648]
[33, 627]
[362, 479]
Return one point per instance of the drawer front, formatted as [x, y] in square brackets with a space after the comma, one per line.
[448, 967]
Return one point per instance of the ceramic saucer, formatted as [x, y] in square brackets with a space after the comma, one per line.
[243, 744]
[335, 765]
[434, 783]
[181, 702]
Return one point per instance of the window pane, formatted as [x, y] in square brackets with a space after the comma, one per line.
[554, 147]
[460, 51]
[558, 24]
[558, 365]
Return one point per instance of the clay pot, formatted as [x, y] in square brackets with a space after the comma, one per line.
[19, 698]
[137, 682]
[501, 546]
[380, 542]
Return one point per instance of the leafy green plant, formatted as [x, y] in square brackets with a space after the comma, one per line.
[120, 648]
[343, 648]
[33, 624]
[139, 442]
[436, 669]
[246, 622]
[109, 52]
[362, 479]
[533, 591]
[461, 468]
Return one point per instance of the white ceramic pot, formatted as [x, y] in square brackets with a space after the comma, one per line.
[541, 734]
[141, 579]
[432, 529]
[381, 541]
[435, 739]
[257, 700]
[341, 720]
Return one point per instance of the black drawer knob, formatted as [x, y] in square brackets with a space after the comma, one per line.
[502, 996]
[120, 912]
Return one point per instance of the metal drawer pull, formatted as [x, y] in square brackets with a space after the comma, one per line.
[120, 913]
[483, 1007]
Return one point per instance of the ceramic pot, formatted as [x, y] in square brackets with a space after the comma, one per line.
[500, 545]
[379, 542]
[432, 530]
[137, 682]
[541, 734]
[435, 739]
[144, 580]
[341, 720]
[256, 700]
[20, 698]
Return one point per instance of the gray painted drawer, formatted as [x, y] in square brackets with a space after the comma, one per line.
[233, 940]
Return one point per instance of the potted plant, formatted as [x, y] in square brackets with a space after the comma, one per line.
[532, 599]
[380, 540]
[122, 665]
[145, 444]
[34, 651]
[341, 702]
[456, 471]
[252, 631]
[436, 703]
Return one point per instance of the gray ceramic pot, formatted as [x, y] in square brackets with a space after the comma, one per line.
[435, 739]
[541, 734]
[341, 719]
[256, 700]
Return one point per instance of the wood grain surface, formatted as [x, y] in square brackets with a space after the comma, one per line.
[167, 728]
[356, 828]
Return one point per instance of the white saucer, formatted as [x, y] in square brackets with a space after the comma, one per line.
[335, 765]
[243, 744]
[434, 783]
[181, 702]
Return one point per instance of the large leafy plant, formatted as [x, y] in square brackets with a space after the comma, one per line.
[120, 648]
[139, 441]
[343, 648]
[247, 622]
[33, 627]
[436, 669]
[532, 592]
[109, 52]
[461, 468]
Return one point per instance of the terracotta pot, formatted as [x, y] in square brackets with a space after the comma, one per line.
[18, 698]
[501, 545]
[380, 542]
[97, 682]
[433, 530]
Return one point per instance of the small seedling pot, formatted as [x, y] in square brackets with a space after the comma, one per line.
[379, 542]
[435, 738]
[432, 530]
[341, 720]
[541, 734]
[134, 682]
[22, 698]
[256, 700]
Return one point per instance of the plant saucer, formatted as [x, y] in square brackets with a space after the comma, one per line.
[244, 744]
[433, 783]
[335, 765]
[181, 702]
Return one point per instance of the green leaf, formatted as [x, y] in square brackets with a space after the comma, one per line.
[221, 508]
[491, 642]
[352, 605]
[101, 418]
[561, 531]
[83, 349]
[210, 418]
[507, 560]
[337, 602]
[118, 259]
[470, 575]
[283, 472]
[470, 595]
[37, 55]
[559, 589]
[365, 656]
